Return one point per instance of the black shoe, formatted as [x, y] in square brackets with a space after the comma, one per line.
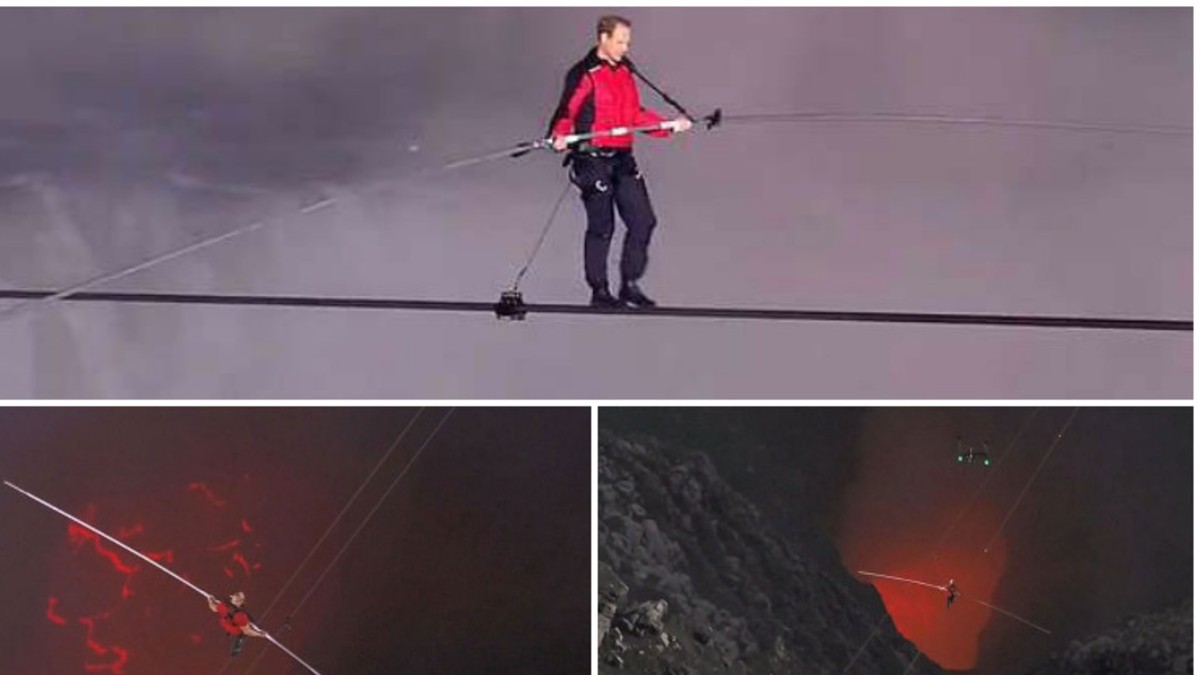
[631, 294]
[602, 299]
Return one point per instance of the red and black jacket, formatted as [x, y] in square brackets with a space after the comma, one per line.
[233, 619]
[599, 96]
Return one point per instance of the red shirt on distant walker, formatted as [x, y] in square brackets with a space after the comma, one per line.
[232, 621]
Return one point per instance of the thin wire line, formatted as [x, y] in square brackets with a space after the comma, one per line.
[1031, 479]
[361, 525]
[279, 595]
[545, 230]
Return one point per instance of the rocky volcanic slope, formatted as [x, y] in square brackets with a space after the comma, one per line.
[693, 581]
[1150, 644]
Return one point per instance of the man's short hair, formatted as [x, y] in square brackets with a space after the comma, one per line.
[607, 24]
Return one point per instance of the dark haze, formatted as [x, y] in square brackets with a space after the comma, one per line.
[1104, 532]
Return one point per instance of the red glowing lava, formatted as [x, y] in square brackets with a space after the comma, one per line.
[902, 518]
[208, 494]
[121, 654]
[117, 667]
[165, 557]
[110, 619]
[78, 537]
[241, 560]
[81, 535]
[54, 618]
[949, 636]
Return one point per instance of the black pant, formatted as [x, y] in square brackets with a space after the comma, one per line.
[605, 179]
[238, 642]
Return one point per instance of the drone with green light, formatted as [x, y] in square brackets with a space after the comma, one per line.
[971, 455]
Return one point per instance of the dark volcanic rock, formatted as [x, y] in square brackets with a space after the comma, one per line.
[713, 589]
[1150, 644]
[612, 592]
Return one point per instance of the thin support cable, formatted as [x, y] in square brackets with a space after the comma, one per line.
[542, 238]
[1032, 478]
[399, 439]
[361, 525]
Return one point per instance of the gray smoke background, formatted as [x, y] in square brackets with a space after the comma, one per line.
[127, 132]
